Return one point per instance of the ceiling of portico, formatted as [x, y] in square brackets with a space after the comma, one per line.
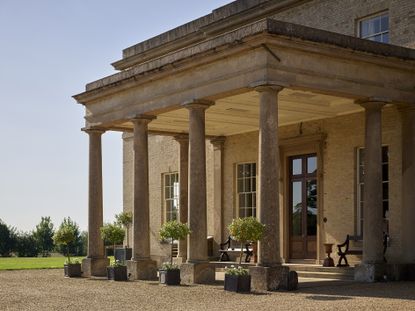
[240, 113]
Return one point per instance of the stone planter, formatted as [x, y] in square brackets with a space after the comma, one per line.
[72, 270]
[238, 283]
[123, 254]
[118, 273]
[169, 277]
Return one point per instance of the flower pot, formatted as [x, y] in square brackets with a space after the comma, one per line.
[72, 270]
[169, 277]
[238, 283]
[118, 273]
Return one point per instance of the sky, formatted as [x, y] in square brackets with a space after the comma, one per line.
[49, 50]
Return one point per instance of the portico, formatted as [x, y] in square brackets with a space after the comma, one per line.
[259, 77]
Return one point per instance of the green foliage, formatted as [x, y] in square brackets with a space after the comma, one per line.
[116, 263]
[7, 239]
[236, 271]
[244, 230]
[169, 266]
[26, 245]
[173, 230]
[84, 244]
[112, 233]
[125, 219]
[67, 237]
[247, 229]
[43, 235]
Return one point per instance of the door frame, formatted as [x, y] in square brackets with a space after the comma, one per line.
[301, 145]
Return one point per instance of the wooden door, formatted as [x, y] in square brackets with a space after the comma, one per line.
[303, 206]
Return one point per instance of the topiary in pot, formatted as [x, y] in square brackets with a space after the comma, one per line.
[171, 231]
[244, 230]
[64, 236]
[114, 234]
[125, 219]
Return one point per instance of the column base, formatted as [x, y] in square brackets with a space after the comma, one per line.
[197, 273]
[95, 266]
[370, 272]
[179, 260]
[273, 278]
[142, 269]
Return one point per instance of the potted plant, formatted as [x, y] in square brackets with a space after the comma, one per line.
[125, 219]
[113, 233]
[244, 230]
[171, 231]
[64, 236]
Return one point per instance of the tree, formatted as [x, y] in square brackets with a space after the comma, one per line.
[173, 230]
[66, 236]
[112, 233]
[7, 239]
[84, 240]
[26, 245]
[74, 247]
[125, 219]
[43, 235]
[244, 230]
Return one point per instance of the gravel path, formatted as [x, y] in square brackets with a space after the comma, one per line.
[48, 290]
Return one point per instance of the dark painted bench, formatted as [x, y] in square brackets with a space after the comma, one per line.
[344, 250]
[229, 246]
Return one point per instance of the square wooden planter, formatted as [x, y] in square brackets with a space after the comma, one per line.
[238, 283]
[169, 277]
[72, 270]
[117, 273]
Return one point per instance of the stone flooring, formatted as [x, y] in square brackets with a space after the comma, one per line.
[48, 290]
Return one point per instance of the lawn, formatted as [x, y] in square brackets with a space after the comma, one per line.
[24, 263]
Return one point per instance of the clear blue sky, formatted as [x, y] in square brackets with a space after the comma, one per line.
[49, 50]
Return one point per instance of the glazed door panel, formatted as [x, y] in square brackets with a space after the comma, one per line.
[303, 206]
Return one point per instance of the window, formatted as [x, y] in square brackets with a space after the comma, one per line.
[360, 188]
[246, 183]
[375, 28]
[171, 195]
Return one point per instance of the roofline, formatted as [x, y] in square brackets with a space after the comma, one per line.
[227, 17]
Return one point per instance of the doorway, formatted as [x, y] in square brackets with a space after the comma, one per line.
[303, 206]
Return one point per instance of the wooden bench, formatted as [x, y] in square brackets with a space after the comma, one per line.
[229, 246]
[347, 251]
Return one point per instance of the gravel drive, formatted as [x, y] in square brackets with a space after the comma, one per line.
[49, 290]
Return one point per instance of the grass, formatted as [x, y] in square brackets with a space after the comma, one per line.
[25, 263]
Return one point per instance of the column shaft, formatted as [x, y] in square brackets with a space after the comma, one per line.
[197, 240]
[408, 184]
[372, 193]
[268, 196]
[95, 208]
[141, 208]
[183, 141]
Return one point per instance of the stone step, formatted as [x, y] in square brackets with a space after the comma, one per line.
[319, 268]
[325, 275]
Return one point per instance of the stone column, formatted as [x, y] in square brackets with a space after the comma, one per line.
[269, 274]
[372, 268]
[408, 185]
[183, 141]
[141, 266]
[218, 158]
[197, 268]
[95, 263]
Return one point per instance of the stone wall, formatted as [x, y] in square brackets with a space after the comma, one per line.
[343, 16]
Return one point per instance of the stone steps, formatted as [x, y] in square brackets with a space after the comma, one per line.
[319, 272]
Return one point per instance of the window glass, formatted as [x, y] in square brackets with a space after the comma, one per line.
[311, 165]
[171, 195]
[375, 28]
[246, 187]
[297, 208]
[297, 166]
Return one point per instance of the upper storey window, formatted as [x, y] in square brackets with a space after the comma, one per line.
[375, 28]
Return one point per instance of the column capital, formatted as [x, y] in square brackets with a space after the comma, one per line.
[143, 118]
[372, 102]
[198, 104]
[182, 138]
[218, 142]
[93, 130]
